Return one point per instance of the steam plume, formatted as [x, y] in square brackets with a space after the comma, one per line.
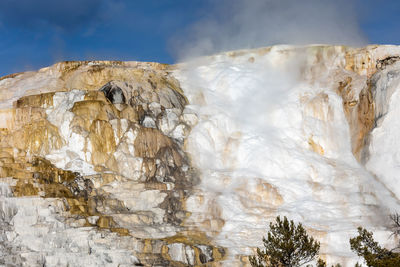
[237, 24]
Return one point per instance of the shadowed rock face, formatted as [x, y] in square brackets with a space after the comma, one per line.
[113, 93]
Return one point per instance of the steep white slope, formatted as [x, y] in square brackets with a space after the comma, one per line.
[384, 155]
[273, 139]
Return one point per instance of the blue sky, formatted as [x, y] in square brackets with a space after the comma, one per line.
[37, 33]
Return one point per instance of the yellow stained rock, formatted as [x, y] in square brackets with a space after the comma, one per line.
[262, 193]
[105, 222]
[27, 115]
[359, 114]
[315, 146]
[39, 138]
[43, 100]
[149, 141]
[120, 231]
[95, 95]
[360, 62]
[10, 76]
[112, 164]
[90, 110]
[129, 113]
[102, 138]
[24, 187]
[67, 68]
[57, 190]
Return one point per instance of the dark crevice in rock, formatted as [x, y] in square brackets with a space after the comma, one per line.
[382, 63]
[173, 206]
[113, 93]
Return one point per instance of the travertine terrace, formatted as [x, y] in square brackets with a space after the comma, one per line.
[106, 163]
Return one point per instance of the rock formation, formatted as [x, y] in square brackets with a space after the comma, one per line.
[129, 163]
[93, 168]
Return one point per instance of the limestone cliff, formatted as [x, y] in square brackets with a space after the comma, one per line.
[130, 163]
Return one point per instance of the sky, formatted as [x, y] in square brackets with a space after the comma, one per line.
[38, 33]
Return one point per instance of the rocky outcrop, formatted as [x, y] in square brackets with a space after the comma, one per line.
[96, 173]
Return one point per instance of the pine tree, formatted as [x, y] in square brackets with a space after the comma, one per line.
[374, 255]
[286, 245]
